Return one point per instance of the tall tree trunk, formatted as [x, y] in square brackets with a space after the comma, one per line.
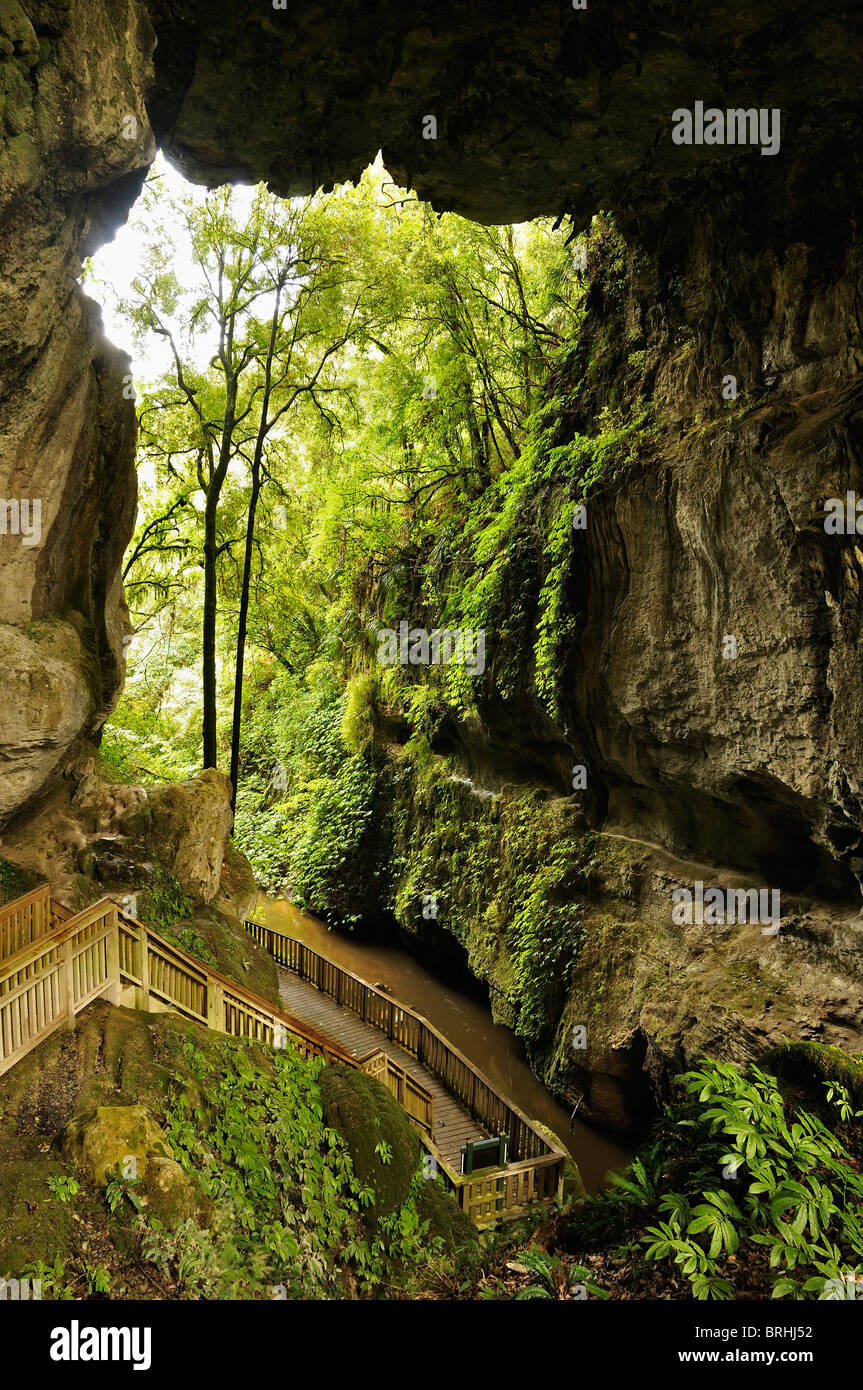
[211, 553]
[242, 627]
[208, 678]
[257, 475]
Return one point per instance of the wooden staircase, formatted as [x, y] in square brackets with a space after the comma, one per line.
[54, 962]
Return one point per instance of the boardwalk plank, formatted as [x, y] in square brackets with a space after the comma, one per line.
[453, 1125]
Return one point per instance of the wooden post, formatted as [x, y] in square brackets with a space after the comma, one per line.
[215, 1006]
[67, 990]
[144, 969]
[112, 952]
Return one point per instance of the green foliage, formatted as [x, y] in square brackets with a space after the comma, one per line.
[811, 1066]
[837, 1095]
[545, 932]
[358, 724]
[64, 1188]
[190, 940]
[164, 902]
[287, 1209]
[119, 1189]
[312, 835]
[731, 1173]
[97, 1278]
[56, 1286]
[376, 499]
[515, 864]
[555, 1277]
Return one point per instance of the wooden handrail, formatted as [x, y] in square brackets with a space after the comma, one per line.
[37, 894]
[25, 920]
[230, 990]
[536, 1169]
[511, 1118]
[47, 981]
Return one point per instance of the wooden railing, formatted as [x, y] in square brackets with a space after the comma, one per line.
[103, 952]
[24, 921]
[157, 976]
[46, 983]
[410, 1093]
[535, 1170]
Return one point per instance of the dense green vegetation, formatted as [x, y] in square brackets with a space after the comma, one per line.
[743, 1193]
[288, 1210]
[302, 1180]
[426, 473]
[429, 475]
[372, 415]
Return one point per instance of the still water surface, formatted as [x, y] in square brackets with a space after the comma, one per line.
[464, 1020]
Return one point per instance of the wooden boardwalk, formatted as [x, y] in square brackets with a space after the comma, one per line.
[453, 1126]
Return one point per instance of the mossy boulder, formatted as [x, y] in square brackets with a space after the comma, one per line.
[445, 1217]
[808, 1065]
[167, 1193]
[574, 1189]
[99, 1140]
[238, 887]
[100, 1143]
[184, 825]
[365, 1114]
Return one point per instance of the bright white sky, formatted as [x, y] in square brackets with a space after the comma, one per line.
[115, 265]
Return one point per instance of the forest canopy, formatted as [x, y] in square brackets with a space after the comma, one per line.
[346, 422]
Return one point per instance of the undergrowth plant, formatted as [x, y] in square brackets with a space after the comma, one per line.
[287, 1209]
[730, 1173]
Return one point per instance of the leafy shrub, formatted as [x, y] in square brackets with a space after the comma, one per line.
[731, 1173]
[287, 1207]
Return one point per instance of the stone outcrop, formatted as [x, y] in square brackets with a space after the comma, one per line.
[71, 80]
[735, 263]
[185, 825]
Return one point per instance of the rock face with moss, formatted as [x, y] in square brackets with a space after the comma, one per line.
[695, 646]
[571, 927]
[571, 112]
[72, 88]
[184, 824]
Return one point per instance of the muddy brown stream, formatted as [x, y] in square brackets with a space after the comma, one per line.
[464, 1020]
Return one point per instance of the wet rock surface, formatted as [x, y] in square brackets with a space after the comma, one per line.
[737, 264]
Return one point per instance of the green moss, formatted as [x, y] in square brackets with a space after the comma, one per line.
[384, 1149]
[15, 881]
[446, 1219]
[164, 902]
[359, 716]
[34, 1225]
[810, 1064]
[506, 876]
